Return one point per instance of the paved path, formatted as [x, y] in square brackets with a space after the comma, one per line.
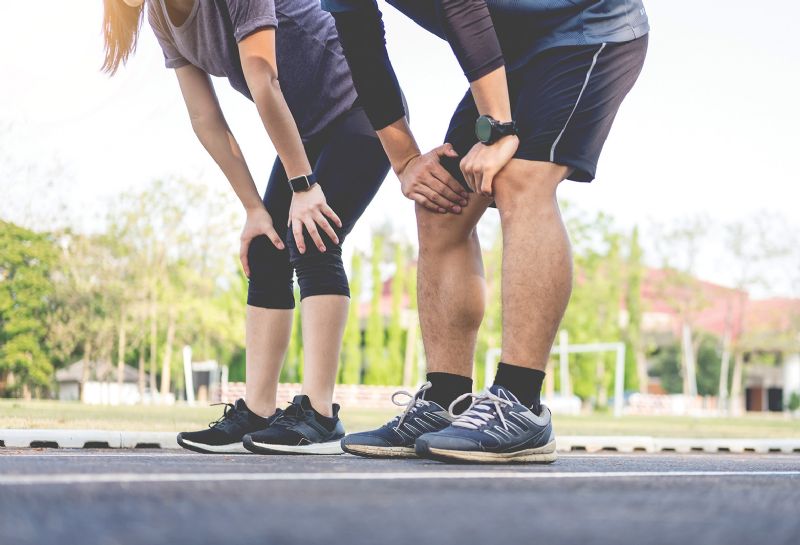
[150, 497]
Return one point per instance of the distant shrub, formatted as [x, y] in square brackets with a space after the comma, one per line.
[794, 401]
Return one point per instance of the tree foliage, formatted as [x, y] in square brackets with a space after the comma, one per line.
[27, 261]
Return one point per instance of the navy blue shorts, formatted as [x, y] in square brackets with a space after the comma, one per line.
[564, 102]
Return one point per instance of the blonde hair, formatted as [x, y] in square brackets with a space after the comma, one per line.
[121, 24]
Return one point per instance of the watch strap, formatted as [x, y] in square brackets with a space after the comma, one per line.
[302, 183]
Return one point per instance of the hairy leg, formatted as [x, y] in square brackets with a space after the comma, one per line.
[537, 260]
[451, 286]
[267, 336]
[324, 318]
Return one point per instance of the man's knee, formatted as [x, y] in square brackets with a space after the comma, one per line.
[439, 232]
[524, 184]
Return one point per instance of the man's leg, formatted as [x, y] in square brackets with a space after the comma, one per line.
[536, 287]
[451, 295]
[537, 272]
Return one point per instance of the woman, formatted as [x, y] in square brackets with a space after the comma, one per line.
[330, 166]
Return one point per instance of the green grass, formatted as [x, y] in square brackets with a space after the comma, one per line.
[53, 414]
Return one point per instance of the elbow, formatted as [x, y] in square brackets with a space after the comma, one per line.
[204, 124]
[262, 78]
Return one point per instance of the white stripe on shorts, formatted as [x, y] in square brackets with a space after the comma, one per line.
[574, 109]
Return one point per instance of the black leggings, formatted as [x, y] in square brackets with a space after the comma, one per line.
[350, 165]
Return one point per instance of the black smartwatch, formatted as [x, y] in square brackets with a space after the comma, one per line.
[488, 130]
[302, 183]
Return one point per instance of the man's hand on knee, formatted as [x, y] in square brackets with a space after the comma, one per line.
[425, 181]
[483, 162]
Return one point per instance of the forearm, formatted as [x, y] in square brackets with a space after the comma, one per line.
[469, 30]
[398, 143]
[279, 123]
[361, 34]
[218, 140]
[490, 93]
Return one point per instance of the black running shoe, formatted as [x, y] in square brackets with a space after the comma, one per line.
[225, 434]
[297, 431]
[495, 429]
[396, 439]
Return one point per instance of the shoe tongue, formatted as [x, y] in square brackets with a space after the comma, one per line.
[240, 405]
[302, 401]
[502, 392]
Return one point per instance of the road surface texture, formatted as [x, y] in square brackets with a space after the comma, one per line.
[150, 497]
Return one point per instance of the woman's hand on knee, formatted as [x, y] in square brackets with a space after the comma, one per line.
[310, 210]
[258, 223]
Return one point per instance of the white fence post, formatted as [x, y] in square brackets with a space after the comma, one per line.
[619, 381]
[563, 362]
[187, 373]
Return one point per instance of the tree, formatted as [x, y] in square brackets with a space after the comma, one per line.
[376, 368]
[751, 249]
[633, 302]
[350, 372]
[394, 344]
[27, 260]
[593, 312]
[680, 246]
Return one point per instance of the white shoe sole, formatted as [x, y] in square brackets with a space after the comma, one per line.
[231, 448]
[381, 452]
[541, 455]
[331, 447]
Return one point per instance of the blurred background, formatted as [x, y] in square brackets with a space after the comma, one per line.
[122, 297]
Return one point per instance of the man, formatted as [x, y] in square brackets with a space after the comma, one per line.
[546, 80]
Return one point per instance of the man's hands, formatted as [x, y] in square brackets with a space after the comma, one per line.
[258, 223]
[310, 209]
[483, 162]
[424, 180]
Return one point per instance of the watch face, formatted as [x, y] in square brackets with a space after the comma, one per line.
[483, 129]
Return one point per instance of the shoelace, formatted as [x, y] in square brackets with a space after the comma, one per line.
[289, 417]
[480, 410]
[414, 401]
[229, 415]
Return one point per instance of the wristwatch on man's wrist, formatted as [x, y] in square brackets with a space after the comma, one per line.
[302, 183]
[488, 130]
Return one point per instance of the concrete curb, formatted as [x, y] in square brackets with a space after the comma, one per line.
[87, 439]
[10, 438]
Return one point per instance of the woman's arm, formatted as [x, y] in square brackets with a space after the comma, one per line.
[309, 208]
[212, 130]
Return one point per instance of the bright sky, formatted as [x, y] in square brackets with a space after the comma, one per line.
[710, 126]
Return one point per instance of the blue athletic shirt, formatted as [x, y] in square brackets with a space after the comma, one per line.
[484, 35]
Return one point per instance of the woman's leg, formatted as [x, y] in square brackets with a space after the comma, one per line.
[270, 304]
[350, 168]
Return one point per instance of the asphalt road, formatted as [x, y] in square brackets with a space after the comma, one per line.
[147, 498]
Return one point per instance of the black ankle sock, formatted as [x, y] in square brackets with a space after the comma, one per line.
[446, 387]
[524, 383]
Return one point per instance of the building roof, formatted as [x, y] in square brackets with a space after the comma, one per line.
[102, 371]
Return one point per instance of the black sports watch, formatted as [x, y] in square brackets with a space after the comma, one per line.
[488, 130]
[302, 183]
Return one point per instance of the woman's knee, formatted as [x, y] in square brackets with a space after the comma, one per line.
[319, 273]
[270, 284]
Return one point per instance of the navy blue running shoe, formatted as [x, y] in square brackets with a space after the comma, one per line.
[396, 439]
[224, 435]
[298, 431]
[495, 429]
